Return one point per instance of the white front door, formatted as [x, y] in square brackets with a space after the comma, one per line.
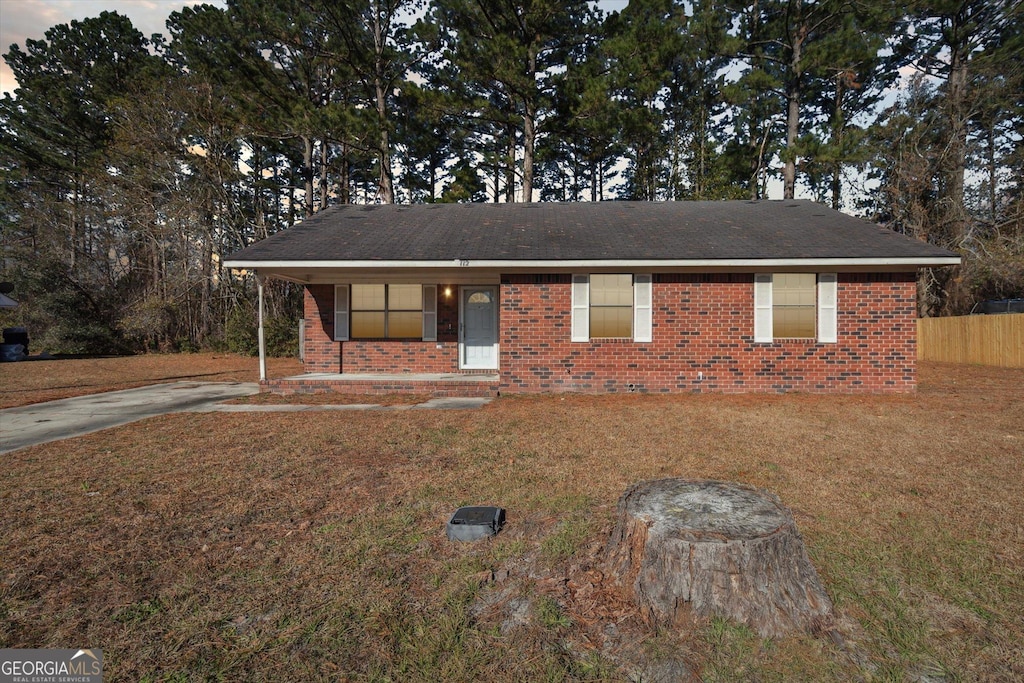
[478, 339]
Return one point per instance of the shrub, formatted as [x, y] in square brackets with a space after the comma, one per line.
[241, 334]
[281, 335]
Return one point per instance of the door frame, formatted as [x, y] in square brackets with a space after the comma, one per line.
[493, 289]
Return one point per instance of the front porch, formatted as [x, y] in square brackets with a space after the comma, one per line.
[438, 385]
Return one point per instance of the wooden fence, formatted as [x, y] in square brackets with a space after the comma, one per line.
[980, 339]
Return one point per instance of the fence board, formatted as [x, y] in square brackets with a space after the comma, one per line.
[979, 339]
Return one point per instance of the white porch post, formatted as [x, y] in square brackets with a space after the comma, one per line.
[259, 326]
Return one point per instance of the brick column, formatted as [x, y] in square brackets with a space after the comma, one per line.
[322, 353]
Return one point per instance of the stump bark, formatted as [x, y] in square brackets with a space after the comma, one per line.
[688, 548]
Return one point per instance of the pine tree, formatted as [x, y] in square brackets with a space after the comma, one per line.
[508, 51]
[54, 147]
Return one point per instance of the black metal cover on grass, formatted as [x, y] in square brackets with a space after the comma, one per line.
[475, 522]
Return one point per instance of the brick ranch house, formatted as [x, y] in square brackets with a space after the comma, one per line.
[476, 299]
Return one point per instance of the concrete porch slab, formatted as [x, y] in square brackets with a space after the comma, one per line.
[437, 385]
[483, 378]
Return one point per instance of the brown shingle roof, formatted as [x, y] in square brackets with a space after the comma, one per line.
[640, 231]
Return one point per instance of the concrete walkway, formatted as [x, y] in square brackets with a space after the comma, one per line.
[54, 420]
[68, 417]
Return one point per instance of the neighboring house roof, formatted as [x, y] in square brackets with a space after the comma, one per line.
[684, 234]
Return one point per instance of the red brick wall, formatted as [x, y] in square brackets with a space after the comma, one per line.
[322, 353]
[704, 324]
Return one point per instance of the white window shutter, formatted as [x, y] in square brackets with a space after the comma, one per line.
[580, 308]
[341, 313]
[642, 308]
[828, 319]
[429, 312]
[763, 308]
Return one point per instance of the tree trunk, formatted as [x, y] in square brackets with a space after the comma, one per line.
[838, 125]
[307, 175]
[955, 164]
[387, 184]
[497, 171]
[344, 180]
[530, 123]
[323, 175]
[687, 548]
[206, 293]
[433, 180]
[793, 88]
[992, 169]
[529, 140]
[510, 166]
[593, 179]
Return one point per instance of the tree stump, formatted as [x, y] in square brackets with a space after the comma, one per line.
[709, 548]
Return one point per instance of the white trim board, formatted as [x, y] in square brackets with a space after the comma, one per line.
[597, 266]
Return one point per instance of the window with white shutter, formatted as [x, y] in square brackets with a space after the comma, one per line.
[642, 308]
[580, 308]
[341, 313]
[828, 309]
[429, 312]
[796, 306]
[763, 308]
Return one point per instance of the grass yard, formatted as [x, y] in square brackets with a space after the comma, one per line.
[48, 380]
[291, 546]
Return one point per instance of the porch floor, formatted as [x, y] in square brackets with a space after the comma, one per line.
[398, 377]
[440, 384]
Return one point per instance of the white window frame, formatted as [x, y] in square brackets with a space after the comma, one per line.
[826, 306]
[643, 308]
[342, 309]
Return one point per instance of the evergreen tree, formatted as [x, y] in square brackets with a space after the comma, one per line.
[509, 51]
[55, 141]
[642, 42]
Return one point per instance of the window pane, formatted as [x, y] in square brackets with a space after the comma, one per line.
[793, 289]
[405, 298]
[611, 321]
[793, 304]
[794, 321]
[405, 324]
[367, 297]
[366, 324]
[611, 290]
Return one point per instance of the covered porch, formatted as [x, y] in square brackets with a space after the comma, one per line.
[441, 340]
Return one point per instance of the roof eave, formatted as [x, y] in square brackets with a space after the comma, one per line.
[889, 262]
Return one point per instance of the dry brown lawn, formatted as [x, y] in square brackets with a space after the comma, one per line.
[47, 380]
[311, 546]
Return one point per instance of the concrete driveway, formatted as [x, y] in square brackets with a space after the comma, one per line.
[54, 420]
[63, 419]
